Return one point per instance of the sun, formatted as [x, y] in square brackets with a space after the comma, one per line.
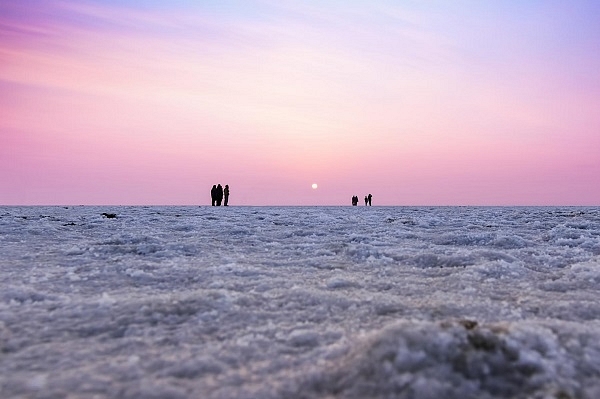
[314, 186]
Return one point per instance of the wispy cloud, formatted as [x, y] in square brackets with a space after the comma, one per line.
[305, 87]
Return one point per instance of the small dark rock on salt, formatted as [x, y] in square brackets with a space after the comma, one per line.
[468, 324]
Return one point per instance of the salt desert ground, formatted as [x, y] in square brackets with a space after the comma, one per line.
[300, 302]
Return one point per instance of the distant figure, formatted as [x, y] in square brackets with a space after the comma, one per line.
[369, 198]
[226, 194]
[213, 195]
[366, 200]
[219, 192]
[355, 200]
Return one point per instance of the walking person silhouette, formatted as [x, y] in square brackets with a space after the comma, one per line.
[213, 195]
[219, 193]
[226, 195]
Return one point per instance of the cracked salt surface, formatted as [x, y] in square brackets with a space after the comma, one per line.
[299, 302]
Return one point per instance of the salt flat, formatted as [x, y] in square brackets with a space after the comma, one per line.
[299, 302]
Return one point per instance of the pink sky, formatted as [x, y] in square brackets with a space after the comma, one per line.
[471, 104]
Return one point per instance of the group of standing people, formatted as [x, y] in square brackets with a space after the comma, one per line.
[367, 200]
[218, 193]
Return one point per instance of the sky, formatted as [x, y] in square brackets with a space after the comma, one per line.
[136, 102]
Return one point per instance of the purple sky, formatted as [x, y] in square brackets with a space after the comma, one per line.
[418, 103]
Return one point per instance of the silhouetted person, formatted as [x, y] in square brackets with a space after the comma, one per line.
[213, 194]
[366, 200]
[226, 194]
[219, 194]
[369, 198]
[355, 200]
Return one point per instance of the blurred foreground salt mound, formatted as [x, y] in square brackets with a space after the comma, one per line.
[461, 359]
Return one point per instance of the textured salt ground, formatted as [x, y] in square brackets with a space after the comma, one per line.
[304, 302]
